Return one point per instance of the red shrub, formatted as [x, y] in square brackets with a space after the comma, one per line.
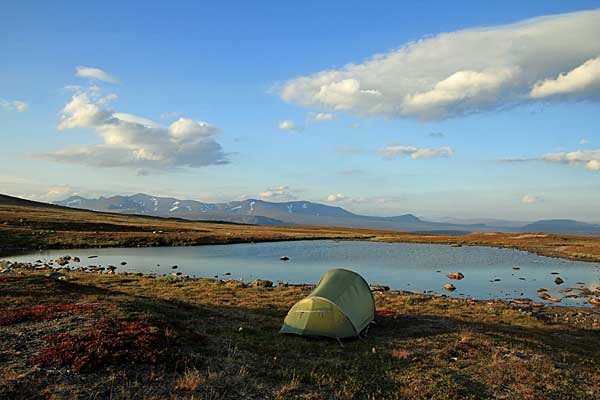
[10, 278]
[15, 315]
[108, 342]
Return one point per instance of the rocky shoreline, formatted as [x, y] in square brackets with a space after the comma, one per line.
[589, 316]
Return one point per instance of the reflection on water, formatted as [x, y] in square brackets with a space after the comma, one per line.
[488, 271]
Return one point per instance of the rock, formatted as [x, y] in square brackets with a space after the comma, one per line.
[92, 256]
[76, 259]
[56, 275]
[544, 295]
[554, 273]
[174, 267]
[521, 301]
[456, 245]
[542, 289]
[595, 302]
[284, 258]
[123, 263]
[455, 275]
[379, 288]
[111, 269]
[554, 299]
[516, 267]
[537, 304]
[449, 287]
[227, 273]
[558, 281]
[260, 283]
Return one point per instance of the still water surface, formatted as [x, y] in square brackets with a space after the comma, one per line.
[414, 267]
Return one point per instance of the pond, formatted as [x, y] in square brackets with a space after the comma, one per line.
[488, 272]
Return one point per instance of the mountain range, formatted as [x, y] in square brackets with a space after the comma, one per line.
[260, 212]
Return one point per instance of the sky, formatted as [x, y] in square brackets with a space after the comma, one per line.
[464, 109]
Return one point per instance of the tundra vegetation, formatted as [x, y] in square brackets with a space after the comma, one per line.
[106, 334]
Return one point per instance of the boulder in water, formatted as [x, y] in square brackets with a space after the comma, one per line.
[449, 287]
[455, 275]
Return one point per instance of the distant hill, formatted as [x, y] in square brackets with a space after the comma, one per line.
[256, 212]
[561, 225]
[260, 212]
[17, 201]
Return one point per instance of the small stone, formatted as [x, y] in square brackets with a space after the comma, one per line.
[379, 288]
[558, 280]
[260, 283]
[56, 275]
[284, 258]
[174, 267]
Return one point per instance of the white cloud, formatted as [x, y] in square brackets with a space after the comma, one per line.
[134, 119]
[334, 198]
[132, 141]
[415, 152]
[277, 193]
[588, 159]
[584, 141]
[95, 73]
[462, 72]
[531, 199]
[45, 193]
[13, 105]
[583, 78]
[288, 125]
[317, 117]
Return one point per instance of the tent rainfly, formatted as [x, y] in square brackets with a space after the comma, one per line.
[341, 306]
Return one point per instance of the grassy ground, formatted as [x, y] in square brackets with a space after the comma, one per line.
[132, 337]
[27, 228]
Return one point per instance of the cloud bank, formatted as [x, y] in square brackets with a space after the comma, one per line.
[451, 74]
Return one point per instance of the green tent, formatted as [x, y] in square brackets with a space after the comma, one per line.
[341, 306]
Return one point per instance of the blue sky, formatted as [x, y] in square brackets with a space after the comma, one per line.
[463, 109]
